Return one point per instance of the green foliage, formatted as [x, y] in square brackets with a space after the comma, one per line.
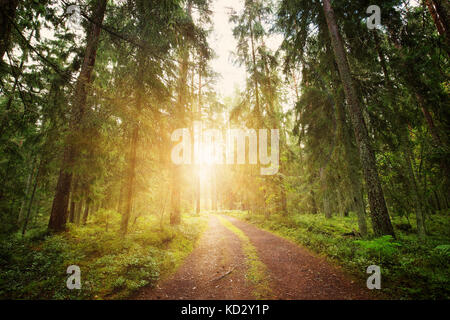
[443, 252]
[383, 246]
[411, 268]
[111, 266]
[151, 74]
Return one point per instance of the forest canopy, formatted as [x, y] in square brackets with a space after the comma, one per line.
[92, 91]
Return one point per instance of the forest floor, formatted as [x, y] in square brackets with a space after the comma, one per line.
[236, 260]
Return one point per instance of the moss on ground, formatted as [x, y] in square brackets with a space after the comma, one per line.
[256, 270]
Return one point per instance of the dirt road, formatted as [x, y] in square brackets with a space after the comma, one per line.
[234, 260]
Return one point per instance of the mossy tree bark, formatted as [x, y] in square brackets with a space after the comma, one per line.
[379, 214]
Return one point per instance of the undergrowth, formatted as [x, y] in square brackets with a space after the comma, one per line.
[411, 268]
[112, 266]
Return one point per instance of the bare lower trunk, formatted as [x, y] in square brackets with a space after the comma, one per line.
[213, 189]
[73, 195]
[27, 218]
[119, 200]
[86, 212]
[27, 191]
[359, 208]
[58, 215]
[313, 202]
[72, 210]
[326, 206]
[283, 199]
[130, 182]
[197, 116]
[175, 217]
[197, 192]
[78, 210]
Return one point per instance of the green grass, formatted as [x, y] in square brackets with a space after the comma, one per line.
[112, 267]
[256, 270]
[411, 269]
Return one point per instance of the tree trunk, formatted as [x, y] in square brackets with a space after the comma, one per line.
[405, 144]
[283, 199]
[353, 168]
[175, 217]
[326, 205]
[257, 110]
[27, 191]
[379, 214]
[140, 88]
[412, 183]
[213, 188]
[86, 212]
[313, 202]
[58, 215]
[31, 202]
[436, 19]
[119, 200]
[73, 194]
[175, 208]
[130, 181]
[79, 208]
[440, 12]
[417, 86]
[72, 210]
[198, 190]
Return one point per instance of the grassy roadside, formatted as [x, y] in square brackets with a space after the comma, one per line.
[411, 269]
[257, 271]
[112, 267]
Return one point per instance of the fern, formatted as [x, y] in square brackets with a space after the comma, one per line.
[383, 246]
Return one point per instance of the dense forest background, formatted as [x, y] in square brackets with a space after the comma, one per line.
[87, 108]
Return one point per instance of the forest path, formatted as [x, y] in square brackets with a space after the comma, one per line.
[214, 270]
[236, 260]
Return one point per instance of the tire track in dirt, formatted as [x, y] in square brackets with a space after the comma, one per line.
[220, 268]
[215, 269]
[296, 274]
